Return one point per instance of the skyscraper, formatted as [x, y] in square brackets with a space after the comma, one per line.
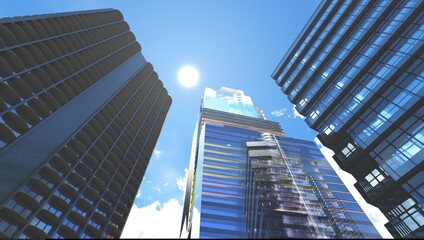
[80, 114]
[356, 72]
[247, 180]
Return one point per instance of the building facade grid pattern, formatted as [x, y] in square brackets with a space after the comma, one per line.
[86, 187]
[242, 186]
[360, 84]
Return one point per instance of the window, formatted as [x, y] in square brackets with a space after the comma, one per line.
[375, 177]
[94, 224]
[408, 216]
[314, 114]
[101, 212]
[325, 75]
[24, 212]
[406, 152]
[70, 224]
[303, 101]
[60, 195]
[41, 225]
[348, 150]
[329, 129]
[53, 210]
[81, 212]
[340, 85]
[57, 236]
[7, 229]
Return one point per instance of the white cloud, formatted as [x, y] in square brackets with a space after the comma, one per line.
[279, 113]
[154, 221]
[283, 112]
[374, 214]
[157, 188]
[296, 114]
[157, 153]
[181, 182]
[158, 220]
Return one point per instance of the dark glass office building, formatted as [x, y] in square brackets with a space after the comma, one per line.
[80, 114]
[356, 72]
[246, 180]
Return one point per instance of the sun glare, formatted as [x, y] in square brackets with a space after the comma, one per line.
[188, 76]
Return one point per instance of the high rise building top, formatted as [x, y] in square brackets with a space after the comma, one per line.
[246, 180]
[229, 100]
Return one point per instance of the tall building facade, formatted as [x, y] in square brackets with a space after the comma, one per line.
[246, 180]
[356, 72]
[80, 114]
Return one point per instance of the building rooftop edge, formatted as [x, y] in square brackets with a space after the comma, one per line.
[50, 15]
[295, 42]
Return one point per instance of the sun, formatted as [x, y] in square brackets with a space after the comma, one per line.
[188, 76]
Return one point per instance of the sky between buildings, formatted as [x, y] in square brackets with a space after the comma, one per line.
[232, 43]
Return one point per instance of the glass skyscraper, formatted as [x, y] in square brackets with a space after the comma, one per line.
[356, 72]
[246, 180]
[80, 114]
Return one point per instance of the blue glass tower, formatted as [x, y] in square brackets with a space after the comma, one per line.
[246, 180]
[356, 72]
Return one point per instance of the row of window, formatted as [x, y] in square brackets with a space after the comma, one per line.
[84, 170]
[379, 73]
[329, 44]
[400, 151]
[20, 32]
[393, 104]
[339, 57]
[57, 91]
[311, 34]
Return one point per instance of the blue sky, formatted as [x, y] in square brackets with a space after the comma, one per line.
[232, 43]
